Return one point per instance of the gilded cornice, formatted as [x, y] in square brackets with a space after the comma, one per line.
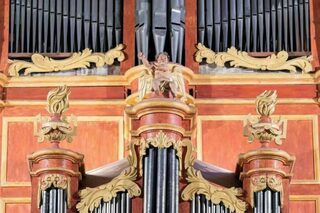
[82, 59]
[274, 62]
[153, 105]
[134, 73]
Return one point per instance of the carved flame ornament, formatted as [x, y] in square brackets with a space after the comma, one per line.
[82, 59]
[92, 197]
[57, 181]
[56, 127]
[274, 62]
[259, 183]
[264, 128]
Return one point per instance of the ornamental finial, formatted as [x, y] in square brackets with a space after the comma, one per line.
[56, 127]
[58, 100]
[264, 128]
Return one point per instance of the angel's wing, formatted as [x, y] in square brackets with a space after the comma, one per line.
[179, 81]
[145, 83]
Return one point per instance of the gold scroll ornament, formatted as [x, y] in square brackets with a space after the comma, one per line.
[259, 183]
[228, 196]
[274, 62]
[57, 181]
[84, 59]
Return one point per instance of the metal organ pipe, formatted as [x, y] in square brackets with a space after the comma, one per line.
[119, 204]
[200, 204]
[161, 173]
[64, 25]
[165, 20]
[53, 200]
[267, 201]
[254, 25]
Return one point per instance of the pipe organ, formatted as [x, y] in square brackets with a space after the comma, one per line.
[254, 25]
[64, 26]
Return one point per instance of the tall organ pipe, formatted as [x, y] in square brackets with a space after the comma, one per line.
[267, 201]
[161, 180]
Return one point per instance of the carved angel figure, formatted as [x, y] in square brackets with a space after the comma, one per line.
[159, 78]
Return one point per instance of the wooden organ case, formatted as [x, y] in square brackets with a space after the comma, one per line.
[165, 135]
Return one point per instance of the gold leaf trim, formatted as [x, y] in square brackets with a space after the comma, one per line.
[161, 140]
[259, 183]
[57, 181]
[82, 59]
[92, 197]
[274, 62]
[198, 185]
[204, 53]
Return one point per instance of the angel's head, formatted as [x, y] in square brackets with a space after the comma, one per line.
[163, 57]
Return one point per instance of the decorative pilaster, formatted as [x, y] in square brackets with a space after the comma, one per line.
[55, 167]
[266, 168]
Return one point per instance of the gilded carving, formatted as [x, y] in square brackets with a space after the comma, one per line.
[84, 59]
[92, 197]
[274, 62]
[58, 100]
[264, 128]
[159, 78]
[259, 183]
[161, 140]
[198, 185]
[57, 127]
[57, 181]
[204, 53]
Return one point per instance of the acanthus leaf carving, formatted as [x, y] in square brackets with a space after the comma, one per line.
[274, 62]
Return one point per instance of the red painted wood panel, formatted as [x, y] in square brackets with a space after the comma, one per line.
[18, 208]
[114, 92]
[251, 91]
[302, 206]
